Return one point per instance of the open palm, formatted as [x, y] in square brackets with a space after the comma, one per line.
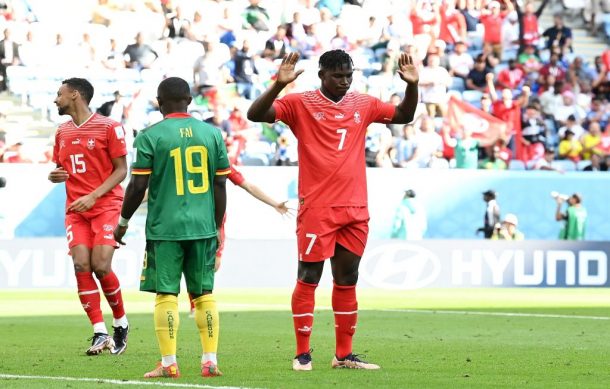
[407, 70]
[286, 73]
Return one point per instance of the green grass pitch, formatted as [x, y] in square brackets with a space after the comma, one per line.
[441, 338]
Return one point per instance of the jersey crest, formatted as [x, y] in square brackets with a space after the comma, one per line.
[91, 143]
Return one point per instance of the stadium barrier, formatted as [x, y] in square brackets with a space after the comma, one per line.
[30, 206]
[387, 264]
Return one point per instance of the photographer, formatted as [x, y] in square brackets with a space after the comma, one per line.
[492, 214]
[508, 229]
[575, 216]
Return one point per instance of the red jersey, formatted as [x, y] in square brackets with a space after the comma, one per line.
[86, 153]
[530, 29]
[331, 144]
[493, 28]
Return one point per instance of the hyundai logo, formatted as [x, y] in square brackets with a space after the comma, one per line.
[400, 266]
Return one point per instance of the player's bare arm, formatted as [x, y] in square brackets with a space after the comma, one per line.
[119, 172]
[134, 194]
[261, 109]
[407, 71]
[258, 194]
[220, 202]
[59, 174]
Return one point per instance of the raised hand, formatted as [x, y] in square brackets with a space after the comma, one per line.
[286, 73]
[407, 71]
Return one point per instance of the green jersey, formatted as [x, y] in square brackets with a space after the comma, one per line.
[182, 156]
[576, 219]
[466, 153]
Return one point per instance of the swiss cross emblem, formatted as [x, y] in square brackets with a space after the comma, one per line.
[91, 143]
[357, 117]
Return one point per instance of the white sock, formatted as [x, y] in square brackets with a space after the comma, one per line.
[120, 322]
[168, 360]
[209, 357]
[100, 328]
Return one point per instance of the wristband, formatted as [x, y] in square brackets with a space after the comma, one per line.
[123, 222]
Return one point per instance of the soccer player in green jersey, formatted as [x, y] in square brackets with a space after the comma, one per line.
[183, 163]
[575, 218]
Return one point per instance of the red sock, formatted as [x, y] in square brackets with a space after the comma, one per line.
[303, 302]
[191, 302]
[345, 307]
[112, 291]
[89, 296]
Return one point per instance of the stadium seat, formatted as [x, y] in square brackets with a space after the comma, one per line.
[516, 164]
[564, 164]
[255, 160]
[472, 96]
[458, 84]
[581, 165]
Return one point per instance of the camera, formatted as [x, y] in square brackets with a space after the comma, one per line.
[562, 196]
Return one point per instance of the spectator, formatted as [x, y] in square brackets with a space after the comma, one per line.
[139, 55]
[570, 147]
[9, 56]
[114, 58]
[486, 103]
[512, 77]
[278, 45]
[579, 73]
[597, 164]
[510, 36]
[210, 70]
[572, 125]
[554, 68]
[340, 41]
[466, 148]
[558, 35]
[177, 25]
[492, 19]
[453, 24]
[598, 112]
[476, 79]
[504, 153]
[220, 121]
[245, 71]
[531, 34]
[567, 108]
[508, 229]
[530, 62]
[460, 61]
[509, 111]
[533, 134]
[429, 143]
[494, 160]
[199, 28]
[433, 82]
[256, 17]
[591, 141]
[114, 109]
[406, 148]
[29, 51]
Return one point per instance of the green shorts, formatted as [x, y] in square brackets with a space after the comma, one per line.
[165, 261]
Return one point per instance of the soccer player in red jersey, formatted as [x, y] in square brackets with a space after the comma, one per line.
[90, 154]
[332, 221]
[238, 179]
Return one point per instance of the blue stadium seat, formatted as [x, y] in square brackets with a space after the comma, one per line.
[472, 96]
[255, 160]
[564, 164]
[516, 164]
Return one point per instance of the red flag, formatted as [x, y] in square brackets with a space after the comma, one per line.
[485, 127]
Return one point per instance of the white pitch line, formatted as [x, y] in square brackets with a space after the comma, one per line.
[479, 313]
[113, 382]
[507, 314]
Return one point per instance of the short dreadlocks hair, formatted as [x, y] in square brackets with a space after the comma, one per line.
[335, 59]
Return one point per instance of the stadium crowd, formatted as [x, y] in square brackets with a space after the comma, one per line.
[497, 90]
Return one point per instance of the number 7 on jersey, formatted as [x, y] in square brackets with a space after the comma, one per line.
[343, 132]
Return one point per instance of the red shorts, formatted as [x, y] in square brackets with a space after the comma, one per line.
[319, 229]
[94, 227]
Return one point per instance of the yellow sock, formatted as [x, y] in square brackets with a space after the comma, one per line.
[167, 322]
[206, 317]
